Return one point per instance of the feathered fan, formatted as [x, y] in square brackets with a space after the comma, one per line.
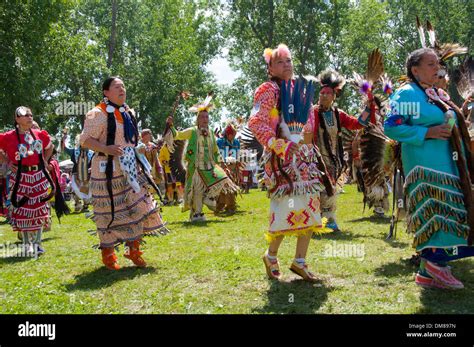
[295, 106]
[249, 141]
[176, 161]
[374, 76]
[463, 77]
[371, 178]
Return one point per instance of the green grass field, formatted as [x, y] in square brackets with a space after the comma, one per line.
[216, 267]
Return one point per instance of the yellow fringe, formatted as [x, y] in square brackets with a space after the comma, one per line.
[318, 230]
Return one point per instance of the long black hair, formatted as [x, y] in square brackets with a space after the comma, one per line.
[111, 130]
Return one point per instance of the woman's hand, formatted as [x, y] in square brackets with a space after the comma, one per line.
[441, 132]
[307, 137]
[114, 150]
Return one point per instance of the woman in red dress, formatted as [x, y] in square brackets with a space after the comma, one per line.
[27, 150]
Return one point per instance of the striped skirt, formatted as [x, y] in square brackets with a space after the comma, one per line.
[34, 214]
[135, 215]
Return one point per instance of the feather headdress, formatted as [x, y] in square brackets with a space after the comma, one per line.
[445, 51]
[203, 106]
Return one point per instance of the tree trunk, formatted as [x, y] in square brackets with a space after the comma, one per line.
[272, 23]
[113, 33]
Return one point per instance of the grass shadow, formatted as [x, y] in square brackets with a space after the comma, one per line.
[339, 235]
[14, 260]
[236, 213]
[335, 235]
[188, 224]
[103, 277]
[397, 244]
[402, 267]
[294, 297]
[49, 238]
[372, 219]
[445, 301]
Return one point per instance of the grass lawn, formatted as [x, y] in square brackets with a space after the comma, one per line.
[216, 267]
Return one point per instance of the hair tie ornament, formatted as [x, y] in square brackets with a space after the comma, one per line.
[366, 87]
[432, 94]
[22, 150]
[443, 95]
[129, 128]
[28, 138]
[38, 146]
[267, 55]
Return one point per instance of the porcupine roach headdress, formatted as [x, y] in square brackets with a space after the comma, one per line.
[332, 79]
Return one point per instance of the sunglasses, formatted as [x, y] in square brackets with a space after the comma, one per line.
[24, 115]
[21, 112]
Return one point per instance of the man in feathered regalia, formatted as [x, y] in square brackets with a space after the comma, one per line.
[205, 180]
